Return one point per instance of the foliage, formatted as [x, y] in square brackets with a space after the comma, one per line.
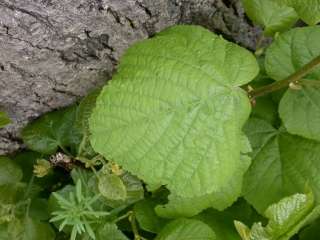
[280, 15]
[194, 137]
[4, 119]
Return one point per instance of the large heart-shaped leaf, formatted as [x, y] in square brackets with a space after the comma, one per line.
[173, 113]
[282, 165]
[299, 109]
[187, 207]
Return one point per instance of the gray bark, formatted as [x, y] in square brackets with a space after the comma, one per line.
[55, 51]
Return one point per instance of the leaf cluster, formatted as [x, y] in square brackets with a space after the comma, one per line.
[195, 137]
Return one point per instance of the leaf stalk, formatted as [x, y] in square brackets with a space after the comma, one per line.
[293, 78]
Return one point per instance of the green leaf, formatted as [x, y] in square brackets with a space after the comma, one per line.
[84, 111]
[133, 186]
[53, 130]
[286, 218]
[39, 209]
[299, 109]
[29, 229]
[11, 193]
[292, 50]
[311, 232]
[222, 223]
[147, 217]
[282, 165]
[186, 229]
[266, 109]
[308, 10]
[112, 187]
[10, 172]
[273, 15]
[173, 113]
[110, 231]
[4, 119]
[187, 207]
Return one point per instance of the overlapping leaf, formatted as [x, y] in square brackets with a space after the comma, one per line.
[222, 222]
[186, 229]
[10, 172]
[26, 229]
[146, 216]
[273, 15]
[308, 10]
[53, 130]
[173, 113]
[279, 15]
[187, 207]
[299, 109]
[282, 165]
[286, 218]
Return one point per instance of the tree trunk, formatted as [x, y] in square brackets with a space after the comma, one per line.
[55, 51]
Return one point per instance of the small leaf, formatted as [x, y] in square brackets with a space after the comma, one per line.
[308, 10]
[146, 216]
[243, 230]
[273, 15]
[110, 231]
[186, 229]
[222, 222]
[84, 110]
[112, 187]
[4, 119]
[10, 172]
[286, 218]
[133, 186]
[82, 122]
[281, 165]
[299, 109]
[173, 113]
[53, 130]
[29, 229]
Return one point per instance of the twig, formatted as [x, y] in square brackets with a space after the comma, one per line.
[293, 78]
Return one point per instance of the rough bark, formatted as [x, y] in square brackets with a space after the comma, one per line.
[55, 51]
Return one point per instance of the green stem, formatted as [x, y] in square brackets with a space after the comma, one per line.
[65, 151]
[27, 192]
[307, 82]
[128, 214]
[293, 78]
[134, 227]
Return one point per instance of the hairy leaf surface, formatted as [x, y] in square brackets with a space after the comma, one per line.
[173, 113]
[187, 207]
